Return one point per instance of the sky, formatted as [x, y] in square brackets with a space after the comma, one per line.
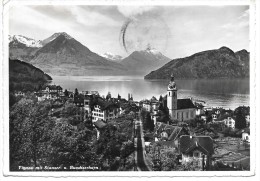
[176, 31]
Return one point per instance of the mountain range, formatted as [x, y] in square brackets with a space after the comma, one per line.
[112, 57]
[61, 54]
[217, 63]
[142, 62]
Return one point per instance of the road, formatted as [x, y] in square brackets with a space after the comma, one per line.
[140, 148]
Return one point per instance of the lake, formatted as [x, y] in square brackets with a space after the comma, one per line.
[227, 93]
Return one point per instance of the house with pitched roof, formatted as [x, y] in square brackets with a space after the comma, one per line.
[53, 88]
[99, 125]
[196, 149]
[104, 110]
[179, 109]
[166, 132]
[230, 122]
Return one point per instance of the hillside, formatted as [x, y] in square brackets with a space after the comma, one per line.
[219, 63]
[24, 76]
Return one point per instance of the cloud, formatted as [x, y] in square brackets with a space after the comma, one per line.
[29, 22]
[240, 22]
[130, 11]
[91, 18]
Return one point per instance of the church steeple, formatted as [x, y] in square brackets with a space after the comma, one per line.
[172, 98]
[172, 84]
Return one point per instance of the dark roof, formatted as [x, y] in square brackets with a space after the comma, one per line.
[184, 104]
[78, 99]
[172, 131]
[203, 143]
[100, 124]
[54, 87]
[104, 104]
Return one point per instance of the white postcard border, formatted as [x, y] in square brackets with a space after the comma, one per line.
[5, 90]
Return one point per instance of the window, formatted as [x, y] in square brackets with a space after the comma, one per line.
[196, 154]
[191, 114]
[169, 93]
[187, 114]
[173, 94]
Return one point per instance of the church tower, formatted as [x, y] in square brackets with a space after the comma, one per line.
[172, 98]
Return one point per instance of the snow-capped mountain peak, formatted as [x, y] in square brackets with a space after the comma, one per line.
[29, 42]
[153, 51]
[54, 36]
[112, 57]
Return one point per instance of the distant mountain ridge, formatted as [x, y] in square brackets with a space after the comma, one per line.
[218, 63]
[23, 48]
[111, 57]
[61, 54]
[142, 62]
[17, 40]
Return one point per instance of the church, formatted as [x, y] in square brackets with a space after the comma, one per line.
[179, 109]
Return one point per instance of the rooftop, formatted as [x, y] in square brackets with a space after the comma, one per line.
[99, 124]
[203, 143]
[184, 104]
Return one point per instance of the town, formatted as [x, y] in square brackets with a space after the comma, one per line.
[85, 129]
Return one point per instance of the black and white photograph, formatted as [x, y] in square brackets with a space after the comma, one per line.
[123, 88]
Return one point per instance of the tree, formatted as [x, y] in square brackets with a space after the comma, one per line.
[29, 131]
[66, 93]
[169, 160]
[149, 122]
[160, 99]
[240, 120]
[76, 92]
[192, 165]
[108, 96]
[70, 146]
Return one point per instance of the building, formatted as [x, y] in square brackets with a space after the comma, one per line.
[230, 122]
[99, 125]
[214, 117]
[104, 110]
[90, 93]
[166, 132]
[179, 109]
[196, 149]
[78, 100]
[41, 96]
[154, 116]
[246, 136]
[19, 93]
[147, 105]
[52, 88]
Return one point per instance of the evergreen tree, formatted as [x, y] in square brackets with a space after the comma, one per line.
[240, 120]
[66, 93]
[108, 96]
[76, 92]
